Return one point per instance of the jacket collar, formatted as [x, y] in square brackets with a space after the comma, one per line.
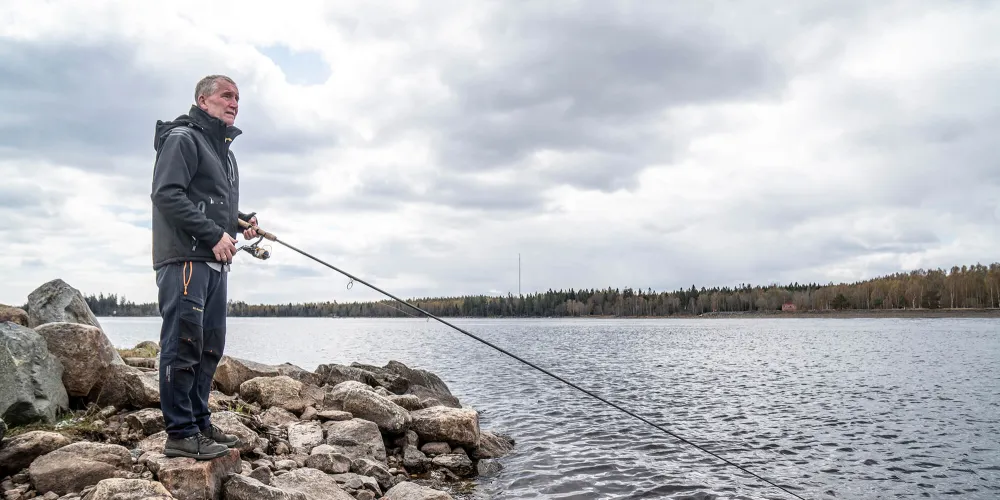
[216, 128]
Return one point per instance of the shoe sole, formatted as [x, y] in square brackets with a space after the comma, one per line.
[229, 444]
[196, 456]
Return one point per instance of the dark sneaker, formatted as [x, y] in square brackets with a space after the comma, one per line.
[198, 447]
[214, 433]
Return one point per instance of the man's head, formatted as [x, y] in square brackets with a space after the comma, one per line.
[219, 97]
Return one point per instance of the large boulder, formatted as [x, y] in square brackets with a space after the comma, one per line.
[455, 426]
[304, 436]
[231, 424]
[281, 391]
[31, 387]
[238, 487]
[232, 372]
[127, 387]
[413, 491]
[75, 466]
[390, 381]
[493, 445]
[128, 489]
[366, 404]
[419, 377]
[355, 438]
[84, 351]
[190, 479]
[19, 451]
[13, 314]
[314, 483]
[56, 301]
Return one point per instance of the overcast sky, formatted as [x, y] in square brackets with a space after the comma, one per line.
[642, 144]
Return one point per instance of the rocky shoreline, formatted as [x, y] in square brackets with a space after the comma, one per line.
[81, 420]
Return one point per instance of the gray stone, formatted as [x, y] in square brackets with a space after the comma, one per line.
[190, 479]
[334, 415]
[377, 470]
[231, 424]
[128, 489]
[456, 426]
[333, 374]
[56, 301]
[262, 474]
[277, 417]
[330, 463]
[315, 483]
[32, 389]
[76, 466]
[414, 460]
[435, 448]
[127, 387]
[368, 405]
[493, 445]
[247, 488]
[19, 451]
[304, 436]
[300, 374]
[458, 463]
[13, 314]
[147, 421]
[84, 351]
[356, 438]
[413, 491]
[281, 391]
[357, 481]
[408, 401]
[232, 372]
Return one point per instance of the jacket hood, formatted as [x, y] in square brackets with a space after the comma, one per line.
[199, 119]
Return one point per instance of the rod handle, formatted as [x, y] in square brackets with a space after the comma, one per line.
[246, 225]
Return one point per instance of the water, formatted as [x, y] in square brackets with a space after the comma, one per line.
[829, 408]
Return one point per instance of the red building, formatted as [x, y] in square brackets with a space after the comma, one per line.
[788, 307]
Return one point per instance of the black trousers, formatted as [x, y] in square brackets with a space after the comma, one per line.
[192, 303]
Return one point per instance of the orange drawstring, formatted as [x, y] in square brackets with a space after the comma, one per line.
[187, 278]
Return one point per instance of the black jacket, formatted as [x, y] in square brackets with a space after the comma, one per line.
[196, 187]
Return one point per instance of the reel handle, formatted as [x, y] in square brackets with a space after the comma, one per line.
[246, 225]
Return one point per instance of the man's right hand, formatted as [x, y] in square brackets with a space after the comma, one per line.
[225, 248]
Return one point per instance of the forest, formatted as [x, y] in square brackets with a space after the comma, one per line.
[965, 287]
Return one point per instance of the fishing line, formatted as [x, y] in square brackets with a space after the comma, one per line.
[272, 237]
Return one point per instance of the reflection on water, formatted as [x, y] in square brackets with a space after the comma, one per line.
[829, 408]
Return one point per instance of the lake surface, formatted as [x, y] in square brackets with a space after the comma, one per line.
[829, 408]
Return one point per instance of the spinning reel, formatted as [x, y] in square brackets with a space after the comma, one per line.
[261, 252]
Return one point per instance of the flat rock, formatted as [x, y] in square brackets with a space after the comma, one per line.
[304, 436]
[456, 426]
[128, 387]
[413, 491]
[78, 465]
[493, 445]
[232, 372]
[314, 483]
[147, 421]
[32, 389]
[238, 487]
[55, 302]
[355, 438]
[128, 489]
[84, 351]
[459, 463]
[18, 452]
[13, 314]
[330, 463]
[281, 391]
[231, 424]
[366, 404]
[190, 479]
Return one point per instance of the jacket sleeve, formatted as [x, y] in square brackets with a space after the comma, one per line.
[175, 166]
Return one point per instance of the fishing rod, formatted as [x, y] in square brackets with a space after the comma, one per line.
[260, 253]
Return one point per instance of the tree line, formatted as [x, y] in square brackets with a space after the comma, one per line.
[964, 287]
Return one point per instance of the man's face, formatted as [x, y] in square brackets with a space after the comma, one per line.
[223, 104]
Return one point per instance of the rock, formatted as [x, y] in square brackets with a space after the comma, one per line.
[277, 417]
[436, 448]
[429, 398]
[141, 362]
[415, 460]
[78, 465]
[456, 426]
[232, 372]
[330, 463]
[231, 424]
[488, 467]
[409, 402]
[3, 430]
[127, 387]
[55, 302]
[148, 345]
[84, 351]
[50, 496]
[218, 401]
[334, 374]
[297, 373]
[392, 382]
[32, 389]
[262, 474]
[364, 495]
[492, 445]
[247, 488]
[309, 414]
[373, 469]
[19, 451]
[314, 483]
[128, 489]
[281, 391]
[365, 404]
[413, 491]
[13, 314]
[418, 377]
[154, 443]
[190, 479]
[355, 438]
[357, 482]
[459, 463]
[147, 421]
[304, 436]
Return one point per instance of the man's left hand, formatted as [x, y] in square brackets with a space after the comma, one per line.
[251, 232]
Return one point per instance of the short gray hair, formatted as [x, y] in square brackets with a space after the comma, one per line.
[209, 84]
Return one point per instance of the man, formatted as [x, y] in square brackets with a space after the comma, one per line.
[195, 209]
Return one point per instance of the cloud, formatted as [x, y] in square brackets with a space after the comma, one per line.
[645, 144]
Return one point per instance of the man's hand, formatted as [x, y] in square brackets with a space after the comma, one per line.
[250, 232]
[225, 248]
